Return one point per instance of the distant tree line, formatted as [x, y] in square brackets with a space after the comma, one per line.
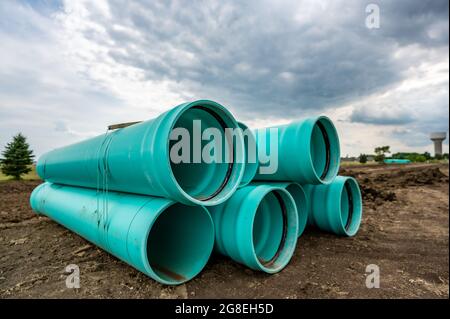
[381, 151]
[418, 157]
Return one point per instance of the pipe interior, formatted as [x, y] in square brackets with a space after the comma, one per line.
[324, 149]
[202, 180]
[180, 242]
[351, 207]
[318, 150]
[302, 207]
[275, 228]
[346, 206]
[268, 227]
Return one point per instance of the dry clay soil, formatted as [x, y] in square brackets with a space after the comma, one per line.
[405, 231]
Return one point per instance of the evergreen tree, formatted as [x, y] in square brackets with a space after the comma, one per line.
[363, 158]
[17, 157]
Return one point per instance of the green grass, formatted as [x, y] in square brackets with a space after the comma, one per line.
[355, 163]
[441, 161]
[30, 176]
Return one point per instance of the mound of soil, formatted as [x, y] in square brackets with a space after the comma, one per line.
[15, 187]
[380, 187]
[371, 193]
[14, 206]
[373, 188]
[427, 176]
[404, 231]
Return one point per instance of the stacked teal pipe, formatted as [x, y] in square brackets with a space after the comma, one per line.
[309, 151]
[257, 227]
[301, 203]
[124, 192]
[309, 157]
[136, 159]
[168, 241]
[337, 207]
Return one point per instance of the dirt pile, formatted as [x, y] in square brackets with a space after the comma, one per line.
[14, 206]
[404, 231]
[428, 176]
[372, 188]
[16, 187]
[373, 193]
[376, 187]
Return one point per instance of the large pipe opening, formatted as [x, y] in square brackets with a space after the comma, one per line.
[180, 242]
[324, 148]
[350, 207]
[211, 179]
[274, 231]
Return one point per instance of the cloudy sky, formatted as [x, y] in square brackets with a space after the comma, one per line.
[70, 68]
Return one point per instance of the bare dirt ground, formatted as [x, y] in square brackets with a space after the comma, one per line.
[405, 231]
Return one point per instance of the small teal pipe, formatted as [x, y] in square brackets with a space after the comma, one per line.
[301, 202]
[251, 162]
[396, 161]
[308, 152]
[168, 241]
[337, 207]
[136, 159]
[257, 227]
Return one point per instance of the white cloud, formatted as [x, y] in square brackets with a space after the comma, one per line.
[67, 74]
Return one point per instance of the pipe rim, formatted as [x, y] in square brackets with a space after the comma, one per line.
[330, 138]
[235, 170]
[288, 241]
[198, 265]
[250, 168]
[350, 225]
[301, 201]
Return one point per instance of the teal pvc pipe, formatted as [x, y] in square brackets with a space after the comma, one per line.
[136, 159]
[308, 151]
[257, 227]
[337, 207]
[396, 161]
[301, 203]
[168, 241]
[251, 165]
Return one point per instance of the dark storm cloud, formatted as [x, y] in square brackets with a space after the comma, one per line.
[424, 22]
[266, 60]
[274, 60]
[381, 118]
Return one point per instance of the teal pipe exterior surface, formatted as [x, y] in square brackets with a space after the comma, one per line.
[301, 202]
[168, 241]
[257, 227]
[308, 151]
[136, 159]
[251, 162]
[396, 161]
[337, 207]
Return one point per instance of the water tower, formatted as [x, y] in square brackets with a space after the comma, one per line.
[438, 138]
